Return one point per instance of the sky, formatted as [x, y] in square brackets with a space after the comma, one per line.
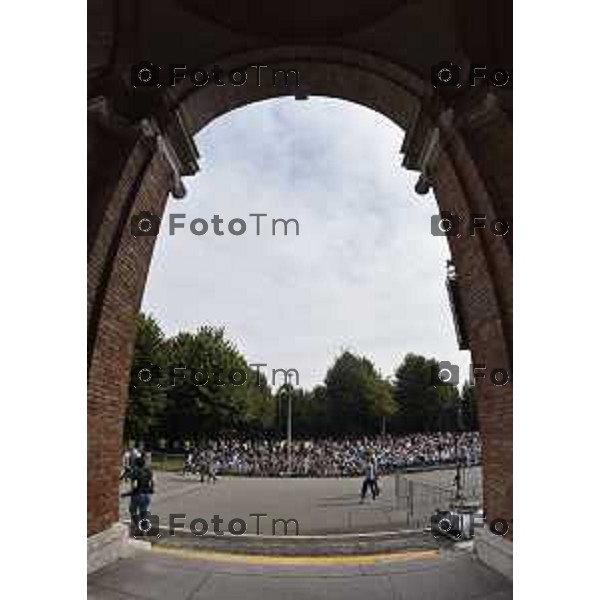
[364, 274]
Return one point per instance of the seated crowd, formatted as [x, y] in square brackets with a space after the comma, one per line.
[330, 457]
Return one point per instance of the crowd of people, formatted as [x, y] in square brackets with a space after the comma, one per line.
[330, 457]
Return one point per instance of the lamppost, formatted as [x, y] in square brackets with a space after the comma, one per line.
[289, 432]
[283, 392]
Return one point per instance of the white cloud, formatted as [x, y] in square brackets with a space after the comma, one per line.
[364, 273]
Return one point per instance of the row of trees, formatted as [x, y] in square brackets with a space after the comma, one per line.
[210, 399]
[356, 399]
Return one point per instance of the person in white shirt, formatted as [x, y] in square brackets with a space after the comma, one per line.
[370, 481]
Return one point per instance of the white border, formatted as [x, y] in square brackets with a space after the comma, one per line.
[557, 304]
[43, 308]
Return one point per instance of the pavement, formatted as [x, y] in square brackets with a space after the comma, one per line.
[321, 506]
[161, 574]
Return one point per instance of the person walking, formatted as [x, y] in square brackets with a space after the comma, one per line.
[142, 488]
[376, 474]
[370, 481]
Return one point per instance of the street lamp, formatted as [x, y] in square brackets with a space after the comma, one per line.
[284, 391]
[289, 433]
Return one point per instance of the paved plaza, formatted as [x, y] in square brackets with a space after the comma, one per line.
[328, 505]
[155, 575]
[320, 506]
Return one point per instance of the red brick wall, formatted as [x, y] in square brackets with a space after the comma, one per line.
[116, 282]
[485, 277]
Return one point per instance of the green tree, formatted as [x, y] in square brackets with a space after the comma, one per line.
[259, 409]
[310, 412]
[357, 396]
[380, 397]
[146, 399]
[422, 407]
[469, 407]
[449, 406]
[219, 391]
[205, 386]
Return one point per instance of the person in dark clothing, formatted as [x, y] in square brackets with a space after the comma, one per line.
[142, 487]
[370, 481]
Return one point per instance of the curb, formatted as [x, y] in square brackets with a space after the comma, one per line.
[300, 560]
[350, 544]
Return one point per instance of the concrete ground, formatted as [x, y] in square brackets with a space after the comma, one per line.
[319, 505]
[159, 575]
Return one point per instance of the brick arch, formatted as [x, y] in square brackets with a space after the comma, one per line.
[154, 152]
[363, 78]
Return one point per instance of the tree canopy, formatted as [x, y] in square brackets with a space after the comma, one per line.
[197, 384]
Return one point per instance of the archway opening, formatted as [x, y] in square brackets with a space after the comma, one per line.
[360, 277]
[161, 150]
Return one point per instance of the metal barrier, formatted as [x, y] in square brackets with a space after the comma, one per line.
[165, 461]
[419, 500]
